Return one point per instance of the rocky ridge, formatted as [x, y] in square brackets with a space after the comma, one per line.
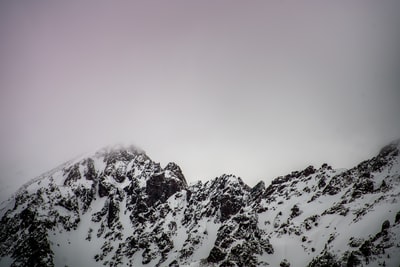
[120, 208]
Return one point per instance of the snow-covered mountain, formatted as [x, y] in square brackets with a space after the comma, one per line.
[118, 207]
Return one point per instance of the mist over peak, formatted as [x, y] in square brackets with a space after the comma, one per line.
[122, 208]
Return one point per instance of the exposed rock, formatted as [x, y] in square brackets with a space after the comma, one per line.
[295, 211]
[284, 263]
[131, 211]
[159, 188]
[385, 225]
[73, 174]
[397, 219]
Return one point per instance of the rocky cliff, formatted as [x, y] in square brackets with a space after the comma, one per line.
[118, 207]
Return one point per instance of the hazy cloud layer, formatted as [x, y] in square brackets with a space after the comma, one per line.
[256, 89]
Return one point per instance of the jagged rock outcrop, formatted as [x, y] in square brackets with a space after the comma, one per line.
[117, 207]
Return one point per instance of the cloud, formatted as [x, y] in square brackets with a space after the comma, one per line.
[257, 90]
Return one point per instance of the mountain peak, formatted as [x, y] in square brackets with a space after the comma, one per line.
[124, 209]
[392, 148]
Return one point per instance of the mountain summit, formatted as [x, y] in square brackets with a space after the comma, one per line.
[118, 207]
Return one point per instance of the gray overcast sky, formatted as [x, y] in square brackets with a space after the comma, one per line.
[254, 88]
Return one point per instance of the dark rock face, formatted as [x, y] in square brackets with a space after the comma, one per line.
[31, 247]
[242, 227]
[325, 260]
[257, 190]
[397, 219]
[363, 187]
[295, 211]
[353, 260]
[73, 174]
[113, 210]
[134, 212]
[385, 225]
[284, 263]
[228, 207]
[176, 170]
[104, 188]
[216, 255]
[159, 188]
[90, 172]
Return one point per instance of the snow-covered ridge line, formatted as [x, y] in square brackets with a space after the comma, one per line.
[123, 209]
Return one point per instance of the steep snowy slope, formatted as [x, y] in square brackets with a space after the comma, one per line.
[117, 207]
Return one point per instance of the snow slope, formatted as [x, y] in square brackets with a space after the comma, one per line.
[117, 207]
